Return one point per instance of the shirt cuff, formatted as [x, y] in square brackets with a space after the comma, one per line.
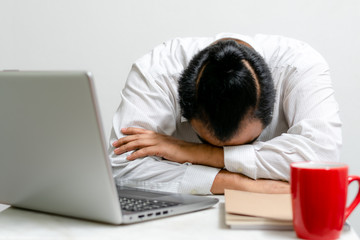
[198, 179]
[241, 159]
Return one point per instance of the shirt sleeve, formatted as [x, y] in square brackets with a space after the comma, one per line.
[149, 101]
[311, 127]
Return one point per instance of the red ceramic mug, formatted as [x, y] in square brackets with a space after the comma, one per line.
[319, 192]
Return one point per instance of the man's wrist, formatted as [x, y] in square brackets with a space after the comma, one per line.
[227, 180]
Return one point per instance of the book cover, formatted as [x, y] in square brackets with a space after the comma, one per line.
[247, 210]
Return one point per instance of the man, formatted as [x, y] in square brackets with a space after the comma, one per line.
[199, 115]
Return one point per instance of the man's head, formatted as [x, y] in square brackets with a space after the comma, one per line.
[227, 93]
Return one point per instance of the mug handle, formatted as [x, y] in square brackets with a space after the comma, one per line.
[356, 200]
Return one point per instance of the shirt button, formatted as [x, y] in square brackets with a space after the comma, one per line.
[239, 169]
[193, 191]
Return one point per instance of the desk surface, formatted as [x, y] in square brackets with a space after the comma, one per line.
[206, 224]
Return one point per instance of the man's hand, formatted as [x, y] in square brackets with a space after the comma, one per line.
[149, 143]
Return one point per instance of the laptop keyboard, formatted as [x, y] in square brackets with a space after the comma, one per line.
[139, 205]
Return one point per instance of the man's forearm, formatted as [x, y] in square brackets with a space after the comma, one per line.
[228, 180]
[208, 155]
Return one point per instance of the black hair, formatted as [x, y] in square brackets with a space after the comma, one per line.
[222, 84]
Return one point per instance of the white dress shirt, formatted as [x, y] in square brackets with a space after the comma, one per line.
[305, 124]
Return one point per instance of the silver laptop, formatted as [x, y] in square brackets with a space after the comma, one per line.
[53, 154]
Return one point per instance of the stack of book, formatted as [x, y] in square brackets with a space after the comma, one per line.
[247, 210]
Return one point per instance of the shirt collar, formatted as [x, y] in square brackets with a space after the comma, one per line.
[248, 39]
[183, 119]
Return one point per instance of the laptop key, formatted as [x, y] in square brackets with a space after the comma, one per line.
[138, 205]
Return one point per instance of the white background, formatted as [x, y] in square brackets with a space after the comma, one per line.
[106, 36]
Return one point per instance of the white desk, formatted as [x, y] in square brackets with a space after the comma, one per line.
[207, 224]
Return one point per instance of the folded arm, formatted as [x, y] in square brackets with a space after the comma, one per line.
[144, 143]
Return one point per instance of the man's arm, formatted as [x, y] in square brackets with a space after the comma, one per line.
[236, 181]
[143, 143]
[149, 143]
